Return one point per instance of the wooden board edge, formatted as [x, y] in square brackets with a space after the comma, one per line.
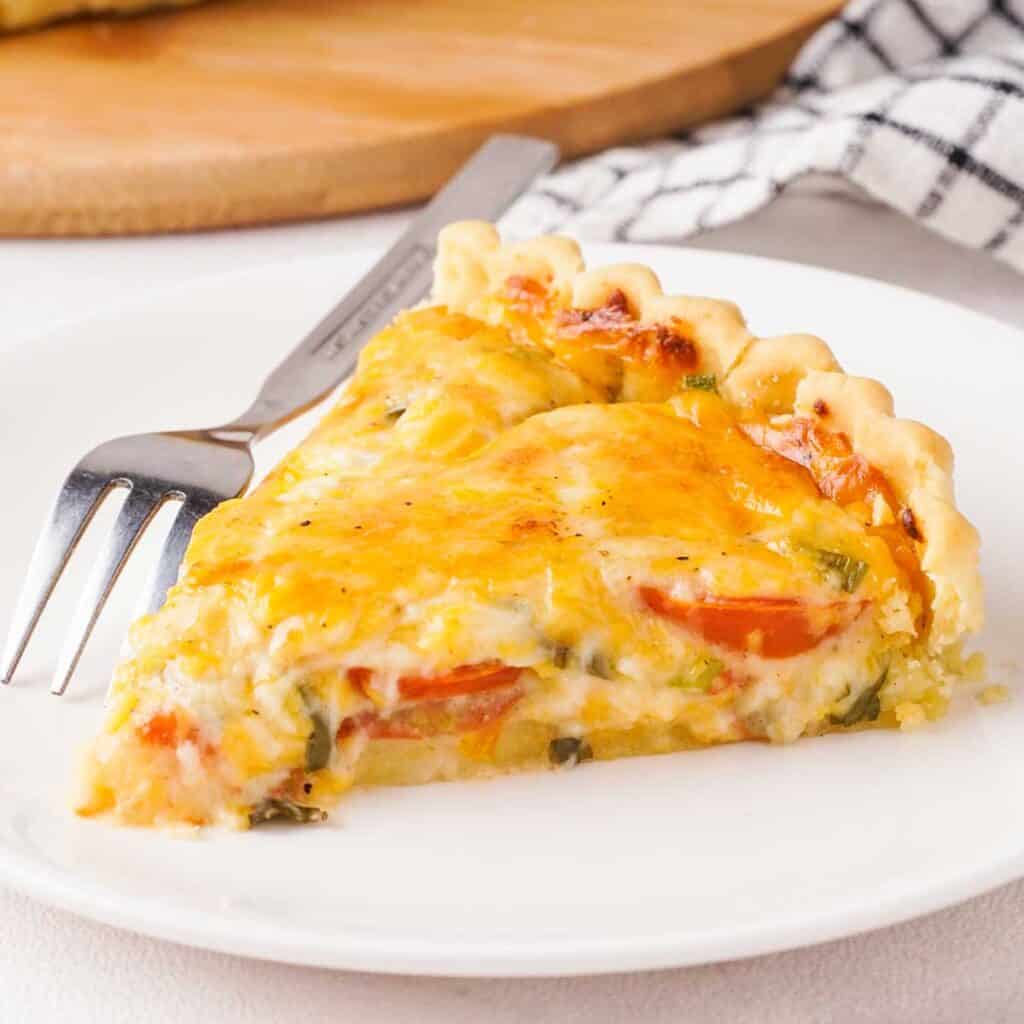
[158, 200]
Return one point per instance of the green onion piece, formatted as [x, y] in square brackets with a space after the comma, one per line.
[598, 664]
[285, 810]
[702, 381]
[700, 676]
[867, 706]
[319, 745]
[569, 750]
[849, 571]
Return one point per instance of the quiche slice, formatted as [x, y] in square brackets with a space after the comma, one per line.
[556, 515]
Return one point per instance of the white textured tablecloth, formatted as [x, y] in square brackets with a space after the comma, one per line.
[961, 966]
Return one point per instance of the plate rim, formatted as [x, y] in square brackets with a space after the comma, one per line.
[532, 959]
[547, 958]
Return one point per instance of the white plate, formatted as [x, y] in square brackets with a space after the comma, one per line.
[644, 863]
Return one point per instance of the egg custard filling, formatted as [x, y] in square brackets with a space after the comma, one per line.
[554, 516]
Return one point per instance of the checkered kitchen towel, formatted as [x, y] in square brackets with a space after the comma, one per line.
[918, 102]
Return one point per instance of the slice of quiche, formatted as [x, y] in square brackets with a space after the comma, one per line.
[556, 515]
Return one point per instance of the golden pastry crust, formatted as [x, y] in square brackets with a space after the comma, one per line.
[785, 378]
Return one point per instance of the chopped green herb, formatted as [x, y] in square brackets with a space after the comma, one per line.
[866, 707]
[599, 665]
[702, 381]
[285, 810]
[700, 676]
[560, 656]
[569, 750]
[394, 414]
[319, 744]
[849, 571]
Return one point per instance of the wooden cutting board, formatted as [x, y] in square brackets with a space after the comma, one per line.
[250, 111]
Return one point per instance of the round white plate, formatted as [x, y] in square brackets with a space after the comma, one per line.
[644, 863]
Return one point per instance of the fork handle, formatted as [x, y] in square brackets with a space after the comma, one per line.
[484, 188]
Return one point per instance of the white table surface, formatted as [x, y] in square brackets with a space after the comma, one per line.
[962, 965]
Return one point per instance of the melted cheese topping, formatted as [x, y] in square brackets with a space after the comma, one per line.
[472, 498]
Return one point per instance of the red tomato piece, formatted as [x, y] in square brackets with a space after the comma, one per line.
[435, 718]
[838, 471]
[774, 627]
[161, 730]
[360, 678]
[488, 675]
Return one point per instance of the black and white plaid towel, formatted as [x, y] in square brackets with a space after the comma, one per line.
[920, 103]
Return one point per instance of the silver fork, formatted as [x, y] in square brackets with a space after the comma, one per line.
[201, 468]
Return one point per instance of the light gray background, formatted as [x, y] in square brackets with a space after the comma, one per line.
[960, 965]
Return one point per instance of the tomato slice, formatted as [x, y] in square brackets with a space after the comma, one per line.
[487, 691]
[466, 679]
[170, 729]
[839, 472]
[436, 718]
[486, 675]
[161, 730]
[774, 627]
